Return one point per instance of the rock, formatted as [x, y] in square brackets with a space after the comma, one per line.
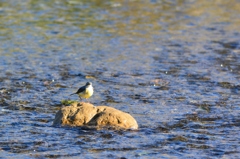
[86, 114]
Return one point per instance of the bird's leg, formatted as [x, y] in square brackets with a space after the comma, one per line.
[80, 99]
[87, 100]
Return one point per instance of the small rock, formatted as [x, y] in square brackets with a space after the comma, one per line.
[86, 114]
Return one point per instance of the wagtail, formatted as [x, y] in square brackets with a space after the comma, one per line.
[85, 91]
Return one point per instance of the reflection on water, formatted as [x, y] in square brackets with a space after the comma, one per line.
[172, 65]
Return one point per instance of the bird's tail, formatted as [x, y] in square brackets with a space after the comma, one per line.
[72, 94]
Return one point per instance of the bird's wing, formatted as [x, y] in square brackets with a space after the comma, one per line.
[81, 89]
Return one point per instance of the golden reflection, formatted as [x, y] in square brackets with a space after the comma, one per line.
[141, 19]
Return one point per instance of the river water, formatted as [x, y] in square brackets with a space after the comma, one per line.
[173, 65]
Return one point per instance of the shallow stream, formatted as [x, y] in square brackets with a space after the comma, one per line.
[173, 65]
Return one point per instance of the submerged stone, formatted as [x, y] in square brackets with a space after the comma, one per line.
[86, 114]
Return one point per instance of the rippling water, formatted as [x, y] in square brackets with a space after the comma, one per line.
[173, 65]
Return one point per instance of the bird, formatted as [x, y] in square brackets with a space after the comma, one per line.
[85, 91]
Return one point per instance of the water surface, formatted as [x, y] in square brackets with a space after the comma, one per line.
[173, 65]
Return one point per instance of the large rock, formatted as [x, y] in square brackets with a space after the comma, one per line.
[86, 114]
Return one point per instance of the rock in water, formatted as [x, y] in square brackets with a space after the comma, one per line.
[86, 114]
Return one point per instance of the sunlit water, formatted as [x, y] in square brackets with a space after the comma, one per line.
[174, 66]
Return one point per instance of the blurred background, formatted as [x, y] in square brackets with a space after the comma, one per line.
[173, 65]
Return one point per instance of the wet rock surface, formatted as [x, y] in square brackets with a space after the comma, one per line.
[86, 114]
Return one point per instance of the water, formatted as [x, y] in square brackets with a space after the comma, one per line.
[174, 66]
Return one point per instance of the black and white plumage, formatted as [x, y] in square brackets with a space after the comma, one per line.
[85, 91]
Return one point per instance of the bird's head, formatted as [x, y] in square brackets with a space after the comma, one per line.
[88, 83]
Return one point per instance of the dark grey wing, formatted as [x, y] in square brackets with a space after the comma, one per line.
[82, 89]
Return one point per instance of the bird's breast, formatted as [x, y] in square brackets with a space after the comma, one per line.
[89, 90]
[87, 93]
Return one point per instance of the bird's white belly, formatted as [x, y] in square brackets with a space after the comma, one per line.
[87, 93]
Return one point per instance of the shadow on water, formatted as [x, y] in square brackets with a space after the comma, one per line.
[174, 66]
